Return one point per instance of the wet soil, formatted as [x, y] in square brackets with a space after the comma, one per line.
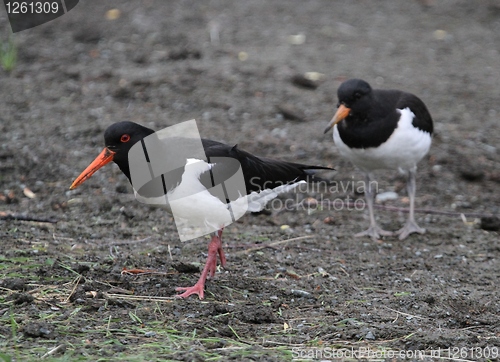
[238, 69]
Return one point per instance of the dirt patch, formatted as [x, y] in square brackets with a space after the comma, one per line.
[240, 70]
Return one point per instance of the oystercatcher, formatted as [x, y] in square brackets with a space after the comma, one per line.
[264, 179]
[382, 129]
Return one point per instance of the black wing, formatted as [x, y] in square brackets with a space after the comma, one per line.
[423, 119]
[259, 172]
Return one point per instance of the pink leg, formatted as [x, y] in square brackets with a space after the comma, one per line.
[214, 247]
[222, 256]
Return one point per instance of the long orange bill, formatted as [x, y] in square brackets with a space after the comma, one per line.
[105, 157]
[342, 112]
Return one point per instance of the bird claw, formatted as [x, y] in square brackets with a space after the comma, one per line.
[374, 231]
[409, 228]
[198, 289]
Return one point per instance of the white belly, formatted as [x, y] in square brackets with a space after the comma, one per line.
[403, 150]
[197, 212]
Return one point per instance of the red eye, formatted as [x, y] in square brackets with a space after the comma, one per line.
[125, 138]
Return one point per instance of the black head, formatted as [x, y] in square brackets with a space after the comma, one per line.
[118, 139]
[355, 100]
[355, 94]
[121, 136]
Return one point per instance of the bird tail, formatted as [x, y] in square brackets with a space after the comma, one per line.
[258, 200]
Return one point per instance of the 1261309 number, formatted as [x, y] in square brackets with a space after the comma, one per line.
[474, 352]
[39, 7]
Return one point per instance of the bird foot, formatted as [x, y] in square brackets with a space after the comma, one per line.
[214, 248]
[409, 228]
[198, 289]
[374, 231]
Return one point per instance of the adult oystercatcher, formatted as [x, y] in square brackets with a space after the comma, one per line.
[382, 129]
[264, 179]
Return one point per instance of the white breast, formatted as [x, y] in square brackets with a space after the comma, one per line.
[197, 212]
[403, 150]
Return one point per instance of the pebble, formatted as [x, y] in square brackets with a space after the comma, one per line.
[440, 34]
[490, 223]
[329, 220]
[297, 39]
[300, 80]
[370, 336]
[290, 112]
[472, 173]
[386, 196]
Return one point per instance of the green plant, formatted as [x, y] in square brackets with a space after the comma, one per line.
[8, 55]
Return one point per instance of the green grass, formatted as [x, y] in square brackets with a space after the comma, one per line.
[109, 333]
[8, 55]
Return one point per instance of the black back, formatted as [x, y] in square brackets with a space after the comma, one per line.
[374, 113]
[259, 172]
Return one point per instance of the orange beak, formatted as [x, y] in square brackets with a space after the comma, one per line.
[342, 112]
[105, 157]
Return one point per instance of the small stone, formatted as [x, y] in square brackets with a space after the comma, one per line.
[329, 220]
[186, 268]
[291, 113]
[121, 189]
[297, 39]
[113, 14]
[386, 196]
[302, 81]
[370, 336]
[440, 34]
[472, 173]
[490, 223]
[22, 298]
[242, 56]
[311, 202]
[437, 168]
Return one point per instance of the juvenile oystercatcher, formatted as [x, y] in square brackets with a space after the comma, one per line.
[264, 179]
[382, 129]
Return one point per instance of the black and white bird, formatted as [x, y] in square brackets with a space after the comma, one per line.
[190, 186]
[382, 129]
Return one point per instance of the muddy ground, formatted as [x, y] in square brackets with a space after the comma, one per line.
[237, 68]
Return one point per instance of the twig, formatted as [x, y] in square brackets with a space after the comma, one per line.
[53, 350]
[77, 281]
[272, 245]
[140, 297]
[345, 272]
[406, 314]
[170, 252]
[21, 217]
